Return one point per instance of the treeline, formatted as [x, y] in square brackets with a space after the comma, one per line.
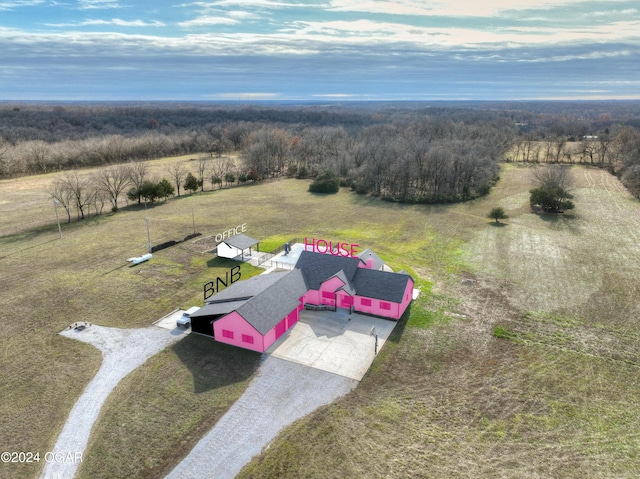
[109, 187]
[615, 148]
[38, 156]
[401, 152]
[421, 161]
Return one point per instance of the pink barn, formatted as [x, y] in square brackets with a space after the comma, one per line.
[254, 313]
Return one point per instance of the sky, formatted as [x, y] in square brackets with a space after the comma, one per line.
[319, 50]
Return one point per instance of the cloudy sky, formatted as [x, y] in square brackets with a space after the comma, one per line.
[319, 49]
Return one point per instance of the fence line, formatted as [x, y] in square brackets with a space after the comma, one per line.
[279, 249]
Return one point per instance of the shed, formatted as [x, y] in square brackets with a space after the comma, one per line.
[236, 246]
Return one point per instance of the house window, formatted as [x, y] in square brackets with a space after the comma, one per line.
[328, 295]
[246, 338]
[385, 305]
[365, 302]
[227, 334]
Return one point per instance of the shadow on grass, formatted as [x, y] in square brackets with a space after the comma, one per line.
[224, 263]
[214, 365]
[555, 217]
[28, 247]
[498, 225]
[397, 332]
[558, 221]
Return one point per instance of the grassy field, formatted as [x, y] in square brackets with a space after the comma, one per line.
[553, 396]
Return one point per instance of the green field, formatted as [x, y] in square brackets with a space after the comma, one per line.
[553, 396]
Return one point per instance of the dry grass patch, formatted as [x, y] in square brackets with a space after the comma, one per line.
[159, 412]
[444, 397]
[49, 283]
[554, 398]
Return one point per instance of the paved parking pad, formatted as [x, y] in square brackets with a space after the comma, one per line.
[334, 342]
[169, 321]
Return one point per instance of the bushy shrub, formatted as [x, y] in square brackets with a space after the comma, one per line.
[327, 182]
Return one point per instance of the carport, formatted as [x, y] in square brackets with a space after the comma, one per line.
[235, 247]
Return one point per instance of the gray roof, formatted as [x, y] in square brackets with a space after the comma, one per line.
[378, 263]
[347, 287]
[241, 242]
[268, 308]
[247, 288]
[263, 301]
[217, 309]
[384, 285]
[317, 267]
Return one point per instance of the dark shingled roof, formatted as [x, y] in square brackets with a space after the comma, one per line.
[237, 294]
[317, 267]
[241, 242]
[217, 309]
[347, 287]
[378, 263]
[383, 285]
[246, 288]
[264, 300]
[268, 308]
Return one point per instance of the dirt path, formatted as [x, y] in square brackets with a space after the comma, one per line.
[123, 350]
[282, 392]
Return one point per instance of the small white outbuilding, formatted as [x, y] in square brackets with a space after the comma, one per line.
[237, 246]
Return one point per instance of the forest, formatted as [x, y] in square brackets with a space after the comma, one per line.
[407, 152]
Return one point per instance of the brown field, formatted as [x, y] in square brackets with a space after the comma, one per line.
[554, 396]
[25, 204]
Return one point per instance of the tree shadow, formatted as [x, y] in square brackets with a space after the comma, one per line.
[498, 224]
[214, 365]
[559, 221]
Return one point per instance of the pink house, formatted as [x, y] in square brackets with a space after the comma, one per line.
[254, 313]
[348, 283]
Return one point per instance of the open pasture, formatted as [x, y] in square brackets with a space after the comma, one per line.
[444, 398]
[530, 371]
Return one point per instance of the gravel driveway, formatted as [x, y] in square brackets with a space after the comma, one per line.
[123, 350]
[281, 393]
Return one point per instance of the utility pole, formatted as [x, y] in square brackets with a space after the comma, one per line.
[375, 333]
[146, 220]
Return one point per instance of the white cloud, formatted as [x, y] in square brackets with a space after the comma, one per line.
[98, 4]
[243, 15]
[458, 8]
[115, 21]
[268, 4]
[12, 4]
[244, 96]
[208, 20]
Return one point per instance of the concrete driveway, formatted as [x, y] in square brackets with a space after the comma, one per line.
[334, 342]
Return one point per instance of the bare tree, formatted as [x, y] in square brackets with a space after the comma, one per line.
[5, 170]
[38, 156]
[177, 171]
[112, 181]
[80, 191]
[552, 193]
[203, 166]
[268, 151]
[99, 198]
[138, 172]
[219, 167]
[60, 192]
